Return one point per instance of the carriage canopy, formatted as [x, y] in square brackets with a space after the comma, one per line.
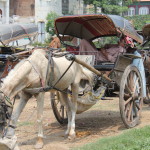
[14, 32]
[94, 26]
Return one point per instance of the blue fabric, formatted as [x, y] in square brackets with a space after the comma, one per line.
[138, 62]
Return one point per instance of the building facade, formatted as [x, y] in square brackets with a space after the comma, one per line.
[37, 9]
[72, 7]
[140, 7]
[76, 6]
[22, 7]
[4, 11]
[43, 7]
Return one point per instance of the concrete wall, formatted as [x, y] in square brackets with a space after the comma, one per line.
[4, 6]
[76, 6]
[43, 7]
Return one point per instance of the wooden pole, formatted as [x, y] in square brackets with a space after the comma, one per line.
[91, 68]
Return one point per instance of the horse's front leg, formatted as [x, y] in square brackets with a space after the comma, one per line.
[75, 90]
[40, 104]
[24, 97]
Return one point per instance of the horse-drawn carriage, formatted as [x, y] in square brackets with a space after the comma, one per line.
[14, 38]
[125, 77]
[45, 71]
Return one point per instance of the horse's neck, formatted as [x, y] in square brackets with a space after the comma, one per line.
[16, 80]
[25, 75]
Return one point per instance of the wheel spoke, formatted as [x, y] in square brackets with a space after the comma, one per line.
[137, 106]
[126, 109]
[130, 81]
[135, 84]
[128, 89]
[62, 109]
[131, 116]
[126, 95]
[130, 111]
[128, 100]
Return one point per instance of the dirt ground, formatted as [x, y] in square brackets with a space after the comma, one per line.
[102, 120]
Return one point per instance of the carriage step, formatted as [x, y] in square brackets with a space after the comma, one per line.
[103, 98]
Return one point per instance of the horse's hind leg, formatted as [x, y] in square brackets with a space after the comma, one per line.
[66, 101]
[75, 89]
[24, 97]
[40, 104]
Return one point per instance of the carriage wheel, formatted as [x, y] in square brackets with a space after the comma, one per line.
[58, 109]
[131, 96]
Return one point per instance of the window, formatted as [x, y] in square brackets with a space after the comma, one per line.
[131, 11]
[143, 11]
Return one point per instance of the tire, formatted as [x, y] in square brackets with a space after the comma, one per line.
[131, 96]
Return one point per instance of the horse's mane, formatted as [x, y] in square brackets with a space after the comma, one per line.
[14, 70]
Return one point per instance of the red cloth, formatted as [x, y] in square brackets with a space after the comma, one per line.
[72, 50]
[129, 41]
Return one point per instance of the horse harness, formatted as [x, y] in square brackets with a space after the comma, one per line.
[48, 84]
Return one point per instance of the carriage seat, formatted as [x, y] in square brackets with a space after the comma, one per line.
[104, 66]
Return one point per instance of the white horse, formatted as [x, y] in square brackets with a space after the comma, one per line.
[29, 73]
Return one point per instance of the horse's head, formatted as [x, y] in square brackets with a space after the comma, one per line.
[5, 112]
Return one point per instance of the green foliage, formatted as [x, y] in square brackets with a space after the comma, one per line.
[50, 22]
[139, 21]
[133, 139]
[114, 9]
[101, 42]
[39, 44]
[109, 6]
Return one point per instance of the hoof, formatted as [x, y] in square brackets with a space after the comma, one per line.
[39, 144]
[66, 133]
[72, 137]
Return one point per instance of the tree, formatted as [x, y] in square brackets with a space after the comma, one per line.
[139, 21]
[110, 6]
[50, 22]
